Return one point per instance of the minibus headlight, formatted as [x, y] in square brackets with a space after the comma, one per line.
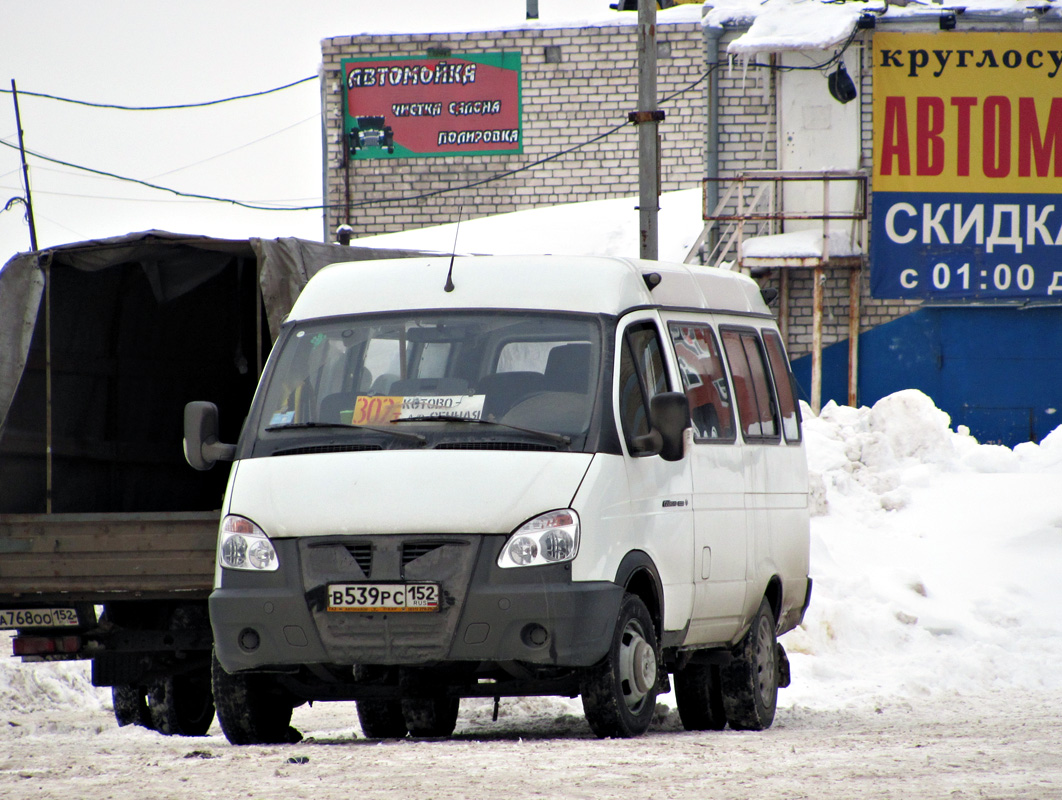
[549, 538]
[243, 545]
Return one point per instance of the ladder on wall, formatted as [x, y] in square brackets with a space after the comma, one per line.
[742, 232]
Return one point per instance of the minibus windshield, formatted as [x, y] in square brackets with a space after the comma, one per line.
[534, 374]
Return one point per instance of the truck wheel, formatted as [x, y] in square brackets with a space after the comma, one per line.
[182, 705]
[130, 706]
[750, 680]
[252, 709]
[700, 697]
[430, 717]
[619, 693]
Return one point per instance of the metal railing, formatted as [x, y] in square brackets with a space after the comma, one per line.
[753, 198]
[749, 208]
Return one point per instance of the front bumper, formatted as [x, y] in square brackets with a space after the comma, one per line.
[533, 614]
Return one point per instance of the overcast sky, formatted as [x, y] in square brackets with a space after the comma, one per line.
[149, 52]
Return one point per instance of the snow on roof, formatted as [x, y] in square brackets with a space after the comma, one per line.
[776, 25]
[785, 24]
[596, 227]
[800, 244]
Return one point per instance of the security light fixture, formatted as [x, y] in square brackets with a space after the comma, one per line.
[842, 89]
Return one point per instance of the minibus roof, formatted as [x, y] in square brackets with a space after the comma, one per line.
[589, 284]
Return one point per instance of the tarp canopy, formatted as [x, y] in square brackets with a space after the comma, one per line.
[140, 325]
[173, 264]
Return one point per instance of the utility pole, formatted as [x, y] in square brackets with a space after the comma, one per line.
[25, 170]
[647, 118]
[48, 460]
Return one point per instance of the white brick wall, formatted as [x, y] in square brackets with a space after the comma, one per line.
[564, 104]
[748, 141]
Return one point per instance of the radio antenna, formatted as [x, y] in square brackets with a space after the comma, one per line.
[449, 287]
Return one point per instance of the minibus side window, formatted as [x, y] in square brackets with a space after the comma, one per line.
[704, 380]
[642, 376]
[752, 387]
[783, 381]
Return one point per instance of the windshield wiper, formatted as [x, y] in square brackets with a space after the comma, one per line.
[288, 426]
[552, 437]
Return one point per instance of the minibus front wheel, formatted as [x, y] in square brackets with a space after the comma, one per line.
[619, 692]
[252, 709]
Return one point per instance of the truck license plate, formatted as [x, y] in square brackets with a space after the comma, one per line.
[12, 618]
[383, 597]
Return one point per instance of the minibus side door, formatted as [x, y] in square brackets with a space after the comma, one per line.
[659, 490]
[715, 454]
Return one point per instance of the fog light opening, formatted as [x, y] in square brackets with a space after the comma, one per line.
[534, 635]
[248, 640]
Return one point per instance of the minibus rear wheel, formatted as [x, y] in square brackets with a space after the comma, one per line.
[380, 719]
[750, 679]
[430, 716]
[699, 694]
[619, 693]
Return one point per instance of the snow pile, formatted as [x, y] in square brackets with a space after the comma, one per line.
[934, 565]
[932, 558]
[40, 687]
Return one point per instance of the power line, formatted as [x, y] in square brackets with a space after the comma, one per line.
[239, 147]
[408, 199]
[150, 185]
[173, 107]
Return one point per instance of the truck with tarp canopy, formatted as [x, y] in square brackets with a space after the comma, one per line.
[107, 538]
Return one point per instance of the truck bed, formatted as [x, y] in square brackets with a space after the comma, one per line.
[105, 557]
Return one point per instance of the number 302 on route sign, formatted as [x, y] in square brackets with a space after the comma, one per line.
[383, 597]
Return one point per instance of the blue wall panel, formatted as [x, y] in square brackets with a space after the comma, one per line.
[996, 370]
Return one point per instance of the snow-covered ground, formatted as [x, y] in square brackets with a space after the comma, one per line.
[927, 666]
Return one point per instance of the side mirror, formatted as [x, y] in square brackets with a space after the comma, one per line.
[202, 450]
[669, 414]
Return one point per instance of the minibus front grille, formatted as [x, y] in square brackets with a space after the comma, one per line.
[448, 560]
[327, 448]
[524, 446]
[412, 551]
[362, 554]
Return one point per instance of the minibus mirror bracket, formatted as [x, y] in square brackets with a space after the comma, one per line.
[202, 450]
[649, 444]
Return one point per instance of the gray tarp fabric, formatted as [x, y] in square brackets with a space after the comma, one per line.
[286, 264]
[173, 264]
[21, 288]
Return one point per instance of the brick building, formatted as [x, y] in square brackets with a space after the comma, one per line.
[772, 111]
[576, 84]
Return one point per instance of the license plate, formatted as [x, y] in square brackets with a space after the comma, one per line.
[37, 618]
[398, 597]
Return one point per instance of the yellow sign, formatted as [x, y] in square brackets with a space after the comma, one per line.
[967, 112]
[372, 410]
